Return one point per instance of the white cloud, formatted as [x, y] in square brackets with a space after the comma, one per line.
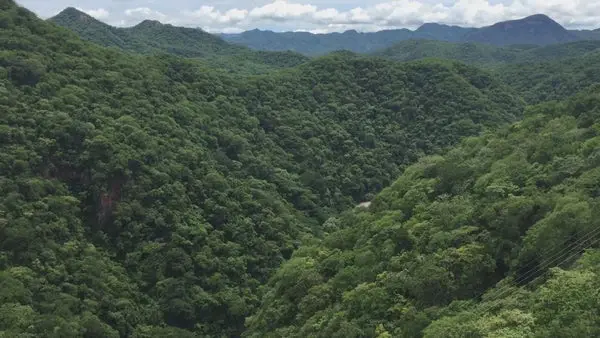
[135, 15]
[330, 15]
[301, 16]
[209, 15]
[99, 13]
[283, 10]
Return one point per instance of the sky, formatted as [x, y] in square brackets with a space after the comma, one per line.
[323, 16]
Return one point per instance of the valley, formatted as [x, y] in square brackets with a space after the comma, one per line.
[161, 181]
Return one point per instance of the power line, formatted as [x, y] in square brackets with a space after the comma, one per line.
[577, 246]
[554, 257]
[493, 303]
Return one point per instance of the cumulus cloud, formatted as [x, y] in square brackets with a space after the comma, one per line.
[209, 15]
[283, 10]
[135, 15]
[337, 15]
[99, 13]
[304, 16]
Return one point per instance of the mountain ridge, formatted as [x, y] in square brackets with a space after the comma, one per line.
[154, 37]
[538, 29]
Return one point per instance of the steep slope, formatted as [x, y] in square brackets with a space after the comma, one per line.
[152, 37]
[150, 196]
[537, 29]
[91, 29]
[504, 207]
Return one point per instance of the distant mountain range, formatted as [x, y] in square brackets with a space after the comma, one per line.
[151, 37]
[537, 29]
[258, 48]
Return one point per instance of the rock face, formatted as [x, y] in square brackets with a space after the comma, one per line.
[364, 205]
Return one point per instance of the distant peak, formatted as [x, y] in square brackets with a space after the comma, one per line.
[73, 13]
[543, 17]
[533, 19]
[432, 24]
[149, 23]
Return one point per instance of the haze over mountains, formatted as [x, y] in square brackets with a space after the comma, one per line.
[152, 36]
[536, 29]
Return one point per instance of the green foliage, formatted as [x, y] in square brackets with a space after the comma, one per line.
[552, 80]
[539, 73]
[487, 55]
[151, 196]
[487, 213]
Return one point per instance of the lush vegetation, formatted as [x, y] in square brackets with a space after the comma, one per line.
[538, 74]
[151, 196]
[487, 55]
[552, 80]
[423, 259]
[152, 37]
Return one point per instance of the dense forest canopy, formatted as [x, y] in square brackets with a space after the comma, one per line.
[500, 209]
[152, 195]
[157, 181]
[552, 80]
[538, 73]
[487, 55]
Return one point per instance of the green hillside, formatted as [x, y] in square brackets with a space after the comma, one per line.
[538, 73]
[152, 196]
[550, 80]
[488, 218]
[472, 53]
[152, 37]
[487, 55]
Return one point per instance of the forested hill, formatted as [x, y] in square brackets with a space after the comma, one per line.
[152, 37]
[551, 80]
[537, 73]
[487, 55]
[150, 196]
[462, 244]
